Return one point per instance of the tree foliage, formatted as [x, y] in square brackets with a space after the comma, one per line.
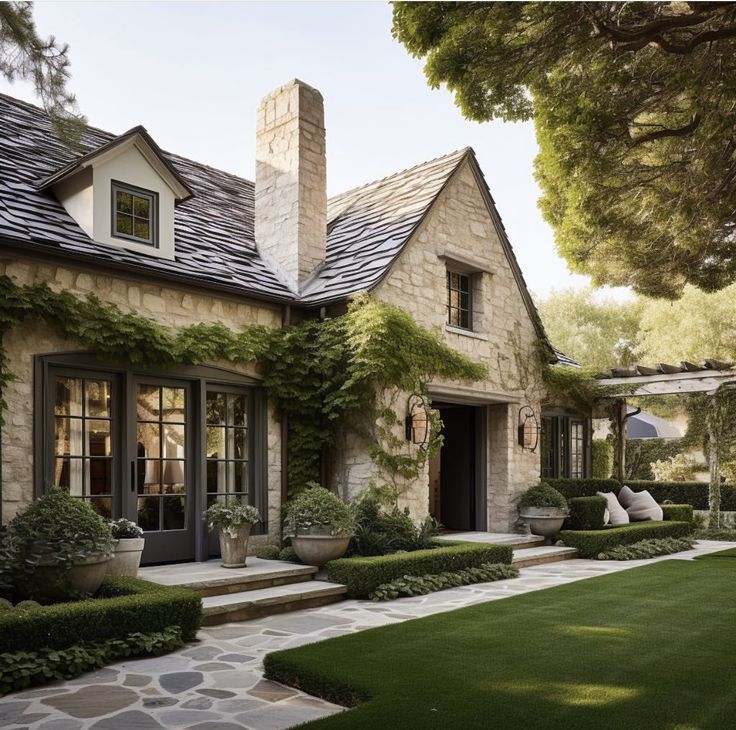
[25, 55]
[633, 105]
[598, 333]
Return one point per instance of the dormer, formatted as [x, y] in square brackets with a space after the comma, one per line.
[123, 194]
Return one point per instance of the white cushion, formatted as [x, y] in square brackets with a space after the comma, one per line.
[640, 506]
[606, 516]
[617, 514]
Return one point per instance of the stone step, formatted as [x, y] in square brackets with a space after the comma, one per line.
[268, 601]
[517, 541]
[211, 579]
[527, 557]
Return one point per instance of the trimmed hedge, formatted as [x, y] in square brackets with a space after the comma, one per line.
[586, 513]
[692, 493]
[124, 606]
[364, 574]
[591, 542]
[677, 512]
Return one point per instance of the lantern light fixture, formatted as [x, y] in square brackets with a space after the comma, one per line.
[417, 423]
[528, 429]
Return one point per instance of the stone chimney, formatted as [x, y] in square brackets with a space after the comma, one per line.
[291, 180]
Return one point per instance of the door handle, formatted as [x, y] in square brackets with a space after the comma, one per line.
[132, 476]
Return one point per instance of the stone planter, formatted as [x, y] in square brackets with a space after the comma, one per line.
[127, 557]
[315, 548]
[85, 578]
[234, 546]
[544, 521]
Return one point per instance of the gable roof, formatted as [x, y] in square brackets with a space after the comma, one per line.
[368, 226]
[138, 136]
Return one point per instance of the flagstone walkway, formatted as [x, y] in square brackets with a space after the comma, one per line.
[217, 683]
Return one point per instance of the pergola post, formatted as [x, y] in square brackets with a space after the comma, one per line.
[714, 486]
[620, 436]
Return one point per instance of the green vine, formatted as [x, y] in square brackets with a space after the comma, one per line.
[324, 375]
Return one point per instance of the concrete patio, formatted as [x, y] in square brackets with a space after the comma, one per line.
[217, 683]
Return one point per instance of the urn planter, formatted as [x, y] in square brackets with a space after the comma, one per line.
[234, 546]
[317, 547]
[544, 521]
[84, 577]
[126, 557]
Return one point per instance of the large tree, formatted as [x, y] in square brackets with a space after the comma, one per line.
[634, 105]
[598, 333]
[43, 61]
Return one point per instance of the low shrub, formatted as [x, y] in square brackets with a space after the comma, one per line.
[725, 535]
[542, 495]
[22, 669]
[289, 554]
[678, 512]
[268, 552]
[363, 575]
[592, 542]
[416, 585]
[121, 608]
[380, 532]
[317, 507]
[586, 513]
[648, 549]
[584, 487]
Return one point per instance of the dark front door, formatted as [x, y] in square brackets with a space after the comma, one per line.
[458, 468]
[160, 496]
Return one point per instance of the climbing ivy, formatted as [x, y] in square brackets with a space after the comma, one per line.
[324, 375]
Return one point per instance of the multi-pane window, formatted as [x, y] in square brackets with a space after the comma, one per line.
[227, 446]
[459, 300]
[162, 457]
[83, 448]
[546, 447]
[577, 449]
[134, 214]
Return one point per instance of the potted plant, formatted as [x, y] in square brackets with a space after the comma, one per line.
[234, 522]
[63, 548]
[128, 542]
[544, 509]
[320, 525]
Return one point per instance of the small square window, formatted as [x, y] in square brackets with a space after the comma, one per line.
[459, 300]
[134, 214]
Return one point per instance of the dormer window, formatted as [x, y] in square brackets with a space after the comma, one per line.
[134, 214]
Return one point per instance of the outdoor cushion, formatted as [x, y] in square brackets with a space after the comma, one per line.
[616, 513]
[640, 506]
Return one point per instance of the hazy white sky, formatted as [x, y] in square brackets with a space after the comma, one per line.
[193, 74]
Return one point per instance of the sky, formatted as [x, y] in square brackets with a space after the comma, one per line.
[193, 73]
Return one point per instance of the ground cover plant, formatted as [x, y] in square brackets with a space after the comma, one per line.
[648, 549]
[633, 649]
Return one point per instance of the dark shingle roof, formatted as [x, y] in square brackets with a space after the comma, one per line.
[214, 230]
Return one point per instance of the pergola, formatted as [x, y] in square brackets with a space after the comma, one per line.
[662, 379]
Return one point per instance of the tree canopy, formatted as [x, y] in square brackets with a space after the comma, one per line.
[25, 55]
[633, 105]
[598, 333]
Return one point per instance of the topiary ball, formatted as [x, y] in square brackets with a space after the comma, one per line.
[27, 606]
[5, 605]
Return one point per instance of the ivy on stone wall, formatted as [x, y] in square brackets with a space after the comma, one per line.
[324, 375]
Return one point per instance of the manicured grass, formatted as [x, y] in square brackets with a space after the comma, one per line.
[650, 647]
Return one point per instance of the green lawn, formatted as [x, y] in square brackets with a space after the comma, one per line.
[650, 647]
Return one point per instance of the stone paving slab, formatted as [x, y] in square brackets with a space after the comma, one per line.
[217, 683]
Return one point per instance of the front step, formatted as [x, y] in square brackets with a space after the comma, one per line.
[527, 557]
[516, 540]
[246, 605]
[211, 579]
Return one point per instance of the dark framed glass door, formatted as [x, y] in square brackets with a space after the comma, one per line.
[161, 498]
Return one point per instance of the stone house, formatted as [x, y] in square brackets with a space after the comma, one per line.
[182, 243]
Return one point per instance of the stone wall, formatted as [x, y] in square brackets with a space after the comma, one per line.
[503, 338]
[168, 305]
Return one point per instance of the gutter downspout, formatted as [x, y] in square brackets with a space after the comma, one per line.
[285, 322]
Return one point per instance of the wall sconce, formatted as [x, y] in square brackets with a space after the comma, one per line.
[528, 429]
[417, 421]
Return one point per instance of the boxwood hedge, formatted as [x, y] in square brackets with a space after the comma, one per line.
[363, 575]
[591, 542]
[124, 606]
[586, 513]
[692, 493]
[678, 512]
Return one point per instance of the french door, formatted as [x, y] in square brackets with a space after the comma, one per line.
[126, 448]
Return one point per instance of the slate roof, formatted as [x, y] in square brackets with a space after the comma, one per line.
[214, 229]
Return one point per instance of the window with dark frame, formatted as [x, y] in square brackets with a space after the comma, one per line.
[459, 300]
[563, 448]
[134, 214]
